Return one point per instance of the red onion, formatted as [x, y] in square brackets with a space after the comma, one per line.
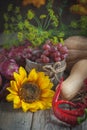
[7, 67]
[0, 81]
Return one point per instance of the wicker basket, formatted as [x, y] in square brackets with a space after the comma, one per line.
[53, 70]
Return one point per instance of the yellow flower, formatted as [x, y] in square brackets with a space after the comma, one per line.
[31, 92]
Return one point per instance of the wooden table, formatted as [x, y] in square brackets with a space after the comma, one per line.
[42, 120]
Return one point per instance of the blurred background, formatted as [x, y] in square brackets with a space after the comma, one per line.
[65, 4]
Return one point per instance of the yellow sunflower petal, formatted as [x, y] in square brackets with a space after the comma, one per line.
[50, 85]
[44, 81]
[17, 78]
[47, 93]
[47, 102]
[17, 102]
[30, 106]
[40, 105]
[24, 80]
[14, 85]
[11, 90]
[41, 74]
[36, 105]
[22, 73]
[33, 110]
[10, 97]
[33, 75]
[49, 105]
[25, 106]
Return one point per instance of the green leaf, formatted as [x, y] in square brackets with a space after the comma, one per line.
[19, 17]
[26, 24]
[6, 17]
[13, 19]
[30, 14]
[17, 9]
[74, 24]
[10, 7]
[43, 16]
[20, 36]
[6, 25]
[20, 25]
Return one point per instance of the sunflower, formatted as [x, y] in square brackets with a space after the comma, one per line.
[30, 91]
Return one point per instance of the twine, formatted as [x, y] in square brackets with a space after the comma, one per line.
[81, 96]
[53, 71]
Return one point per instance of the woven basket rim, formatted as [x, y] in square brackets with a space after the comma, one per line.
[51, 63]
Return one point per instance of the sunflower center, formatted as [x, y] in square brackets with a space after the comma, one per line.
[29, 92]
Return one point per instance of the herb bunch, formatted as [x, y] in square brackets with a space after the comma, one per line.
[31, 27]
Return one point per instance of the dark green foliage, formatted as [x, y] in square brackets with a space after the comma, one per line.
[38, 29]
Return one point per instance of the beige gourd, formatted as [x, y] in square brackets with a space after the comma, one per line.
[77, 46]
[74, 82]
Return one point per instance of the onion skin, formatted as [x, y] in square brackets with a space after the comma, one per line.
[0, 81]
[7, 67]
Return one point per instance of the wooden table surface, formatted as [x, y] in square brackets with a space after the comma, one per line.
[42, 120]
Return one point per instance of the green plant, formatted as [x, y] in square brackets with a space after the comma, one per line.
[39, 28]
[81, 25]
[36, 29]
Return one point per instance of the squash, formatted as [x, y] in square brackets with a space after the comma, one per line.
[76, 42]
[74, 82]
[77, 46]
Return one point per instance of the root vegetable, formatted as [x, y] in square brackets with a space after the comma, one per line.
[0, 80]
[74, 82]
[76, 42]
[7, 67]
[76, 54]
[77, 50]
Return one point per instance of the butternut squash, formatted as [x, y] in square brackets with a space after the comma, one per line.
[74, 82]
[76, 43]
[77, 46]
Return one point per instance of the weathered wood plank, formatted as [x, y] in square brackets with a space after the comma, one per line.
[45, 120]
[83, 126]
[14, 119]
[42, 120]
